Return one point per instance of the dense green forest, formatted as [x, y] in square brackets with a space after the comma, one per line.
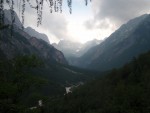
[124, 90]
[16, 80]
[24, 80]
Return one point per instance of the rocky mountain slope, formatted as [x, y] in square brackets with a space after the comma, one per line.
[36, 34]
[131, 39]
[19, 45]
[17, 22]
[29, 32]
[55, 66]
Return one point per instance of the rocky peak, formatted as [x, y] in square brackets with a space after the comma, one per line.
[7, 14]
[33, 33]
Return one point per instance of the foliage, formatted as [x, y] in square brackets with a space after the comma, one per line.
[25, 79]
[124, 90]
[15, 81]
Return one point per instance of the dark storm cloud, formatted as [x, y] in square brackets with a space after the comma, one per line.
[119, 11]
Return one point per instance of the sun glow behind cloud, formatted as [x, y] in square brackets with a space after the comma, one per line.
[97, 20]
[76, 23]
[58, 26]
[76, 28]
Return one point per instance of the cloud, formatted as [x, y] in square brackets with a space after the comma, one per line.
[56, 24]
[116, 11]
[89, 24]
[53, 24]
[95, 24]
[84, 24]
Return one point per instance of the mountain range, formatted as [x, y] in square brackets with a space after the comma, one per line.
[22, 44]
[69, 48]
[11, 47]
[18, 26]
[130, 40]
[73, 50]
[122, 90]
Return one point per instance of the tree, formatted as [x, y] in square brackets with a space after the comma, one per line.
[15, 81]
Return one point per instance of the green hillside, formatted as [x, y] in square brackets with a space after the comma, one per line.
[26, 79]
[124, 90]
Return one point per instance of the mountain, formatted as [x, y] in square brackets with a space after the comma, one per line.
[36, 34]
[17, 22]
[19, 45]
[73, 50]
[23, 44]
[89, 44]
[69, 48]
[123, 90]
[130, 40]
[32, 70]
[55, 67]
[18, 27]
[27, 44]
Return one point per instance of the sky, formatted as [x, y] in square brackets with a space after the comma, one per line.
[97, 20]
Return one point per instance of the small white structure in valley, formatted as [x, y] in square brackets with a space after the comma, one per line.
[40, 103]
[33, 108]
[68, 90]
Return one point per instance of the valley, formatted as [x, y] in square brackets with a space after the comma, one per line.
[99, 76]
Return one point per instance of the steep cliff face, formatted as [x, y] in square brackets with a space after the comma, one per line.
[16, 45]
[47, 51]
[21, 43]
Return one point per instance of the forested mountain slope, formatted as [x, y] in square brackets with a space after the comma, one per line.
[124, 90]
